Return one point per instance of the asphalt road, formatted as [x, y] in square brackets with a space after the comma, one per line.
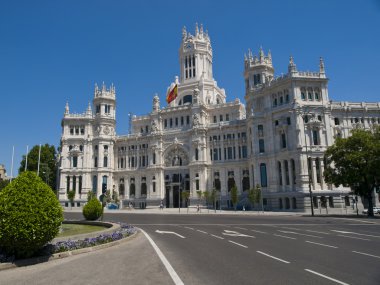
[235, 249]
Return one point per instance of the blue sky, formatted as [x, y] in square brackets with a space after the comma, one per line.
[55, 51]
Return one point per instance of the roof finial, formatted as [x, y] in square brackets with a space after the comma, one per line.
[201, 29]
[292, 67]
[184, 32]
[196, 29]
[321, 65]
[261, 53]
[67, 109]
[270, 56]
[249, 54]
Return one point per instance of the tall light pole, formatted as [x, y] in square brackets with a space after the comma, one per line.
[308, 168]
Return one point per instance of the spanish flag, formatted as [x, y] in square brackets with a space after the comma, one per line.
[172, 94]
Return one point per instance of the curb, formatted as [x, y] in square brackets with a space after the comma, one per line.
[60, 255]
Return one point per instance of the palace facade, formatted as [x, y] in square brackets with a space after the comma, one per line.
[201, 141]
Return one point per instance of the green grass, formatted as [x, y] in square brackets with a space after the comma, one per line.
[74, 229]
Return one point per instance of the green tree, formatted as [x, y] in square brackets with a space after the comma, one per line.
[48, 163]
[234, 196]
[355, 162]
[185, 197]
[3, 184]
[30, 215]
[71, 196]
[206, 196]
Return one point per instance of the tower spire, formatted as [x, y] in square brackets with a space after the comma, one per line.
[196, 29]
[292, 67]
[67, 109]
[184, 33]
[321, 65]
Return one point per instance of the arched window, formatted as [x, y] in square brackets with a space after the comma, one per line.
[132, 188]
[293, 166]
[263, 174]
[143, 188]
[287, 172]
[279, 172]
[121, 188]
[280, 206]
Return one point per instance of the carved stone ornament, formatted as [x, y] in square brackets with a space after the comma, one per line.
[196, 121]
[154, 126]
[106, 130]
[176, 157]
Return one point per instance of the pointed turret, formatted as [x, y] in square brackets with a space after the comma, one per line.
[321, 66]
[89, 110]
[292, 68]
[196, 30]
[184, 33]
[67, 109]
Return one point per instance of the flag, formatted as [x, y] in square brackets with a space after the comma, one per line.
[172, 94]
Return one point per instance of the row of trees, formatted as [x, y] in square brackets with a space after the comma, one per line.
[211, 197]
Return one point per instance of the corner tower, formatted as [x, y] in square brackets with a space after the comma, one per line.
[258, 70]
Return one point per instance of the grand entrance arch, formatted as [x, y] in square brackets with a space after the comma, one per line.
[176, 173]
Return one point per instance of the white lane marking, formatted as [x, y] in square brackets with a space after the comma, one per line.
[353, 233]
[172, 233]
[238, 244]
[287, 232]
[366, 254]
[235, 234]
[241, 228]
[166, 263]
[289, 228]
[256, 231]
[327, 277]
[353, 237]
[317, 232]
[322, 244]
[217, 236]
[202, 232]
[279, 259]
[189, 228]
[356, 220]
[284, 236]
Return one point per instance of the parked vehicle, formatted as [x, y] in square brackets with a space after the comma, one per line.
[376, 210]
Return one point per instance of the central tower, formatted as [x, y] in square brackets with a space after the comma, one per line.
[195, 56]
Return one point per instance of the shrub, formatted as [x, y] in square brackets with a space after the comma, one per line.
[30, 215]
[93, 210]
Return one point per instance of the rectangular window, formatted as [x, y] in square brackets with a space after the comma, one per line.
[197, 184]
[171, 122]
[165, 123]
[229, 153]
[154, 158]
[227, 117]
[315, 137]
[95, 161]
[94, 184]
[283, 140]
[67, 183]
[288, 121]
[181, 121]
[215, 154]
[187, 120]
[221, 118]
[80, 185]
[74, 183]
[82, 130]
[244, 151]
[75, 161]
[261, 146]
[214, 119]
[176, 122]
[154, 186]
[97, 109]
[105, 161]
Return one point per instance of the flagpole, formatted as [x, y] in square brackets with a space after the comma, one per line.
[26, 158]
[13, 154]
[39, 157]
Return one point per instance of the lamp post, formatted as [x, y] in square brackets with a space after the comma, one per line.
[308, 170]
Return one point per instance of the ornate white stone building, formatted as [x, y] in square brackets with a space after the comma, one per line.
[202, 142]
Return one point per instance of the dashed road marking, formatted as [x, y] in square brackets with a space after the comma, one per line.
[241, 228]
[353, 233]
[189, 228]
[327, 277]
[217, 236]
[287, 232]
[322, 244]
[366, 254]
[271, 256]
[317, 232]
[284, 236]
[354, 237]
[202, 232]
[238, 244]
[256, 231]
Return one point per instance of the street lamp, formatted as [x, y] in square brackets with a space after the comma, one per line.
[308, 168]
